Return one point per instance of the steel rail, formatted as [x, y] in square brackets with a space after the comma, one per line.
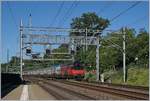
[46, 82]
[112, 90]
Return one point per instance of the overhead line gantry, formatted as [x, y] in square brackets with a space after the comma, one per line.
[30, 35]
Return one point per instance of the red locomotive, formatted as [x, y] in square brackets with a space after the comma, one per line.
[75, 71]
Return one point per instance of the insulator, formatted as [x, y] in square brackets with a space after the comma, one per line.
[72, 47]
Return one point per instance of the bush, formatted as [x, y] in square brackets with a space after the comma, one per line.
[90, 77]
[136, 76]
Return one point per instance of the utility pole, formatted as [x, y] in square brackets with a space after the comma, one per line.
[97, 60]
[21, 48]
[30, 25]
[30, 20]
[124, 56]
[7, 60]
[86, 48]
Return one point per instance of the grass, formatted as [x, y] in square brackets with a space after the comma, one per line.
[136, 76]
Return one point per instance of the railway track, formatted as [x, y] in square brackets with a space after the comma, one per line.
[120, 92]
[122, 86]
[126, 93]
[52, 92]
[56, 91]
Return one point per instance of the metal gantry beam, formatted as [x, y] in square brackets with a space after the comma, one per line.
[46, 39]
[29, 36]
[49, 59]
[50, 29]
[21, 48]
[97, 61]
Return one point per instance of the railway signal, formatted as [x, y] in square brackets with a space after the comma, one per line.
[48, 51]
[28, 51]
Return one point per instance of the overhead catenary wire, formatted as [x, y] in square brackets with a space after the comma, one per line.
[69, 15]
[124, 11]
[121, 13]
[108, 5]
[12, 15]
[66, 14]
[137, 20]
[57, 14]
[13, 18]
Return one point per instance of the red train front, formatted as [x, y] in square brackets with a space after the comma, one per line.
[70, 71]
[75, 71]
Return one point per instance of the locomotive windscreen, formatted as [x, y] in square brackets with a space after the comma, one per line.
[77, 65]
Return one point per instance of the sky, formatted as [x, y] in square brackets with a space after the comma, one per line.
[45, 14]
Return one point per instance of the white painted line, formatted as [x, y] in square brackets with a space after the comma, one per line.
[24, 95]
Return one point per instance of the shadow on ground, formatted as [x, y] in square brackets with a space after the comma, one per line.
[9, 82]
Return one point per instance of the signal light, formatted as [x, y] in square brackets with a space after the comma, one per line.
[72, 51]
[28, 50]
[48, 51]
[78, 48]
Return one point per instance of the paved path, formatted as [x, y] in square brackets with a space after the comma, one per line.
[14, 94]
[28, 92]
[37, 93]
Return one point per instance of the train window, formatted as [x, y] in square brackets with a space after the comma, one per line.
[78, 66]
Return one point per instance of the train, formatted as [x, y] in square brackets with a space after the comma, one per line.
[75, 70]
[69, 71]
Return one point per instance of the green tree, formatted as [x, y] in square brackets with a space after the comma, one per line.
[87, 20]
[90, 21]
[142, 43]
[111, 50]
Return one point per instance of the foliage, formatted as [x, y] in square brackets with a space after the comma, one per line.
[90, 21]
[111, 49]
[90, 77]
[143, 47]
[133, 76]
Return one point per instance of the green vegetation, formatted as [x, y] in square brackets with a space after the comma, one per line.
[110, 55]
[136, 76]
[88, 20]
[90, 77]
